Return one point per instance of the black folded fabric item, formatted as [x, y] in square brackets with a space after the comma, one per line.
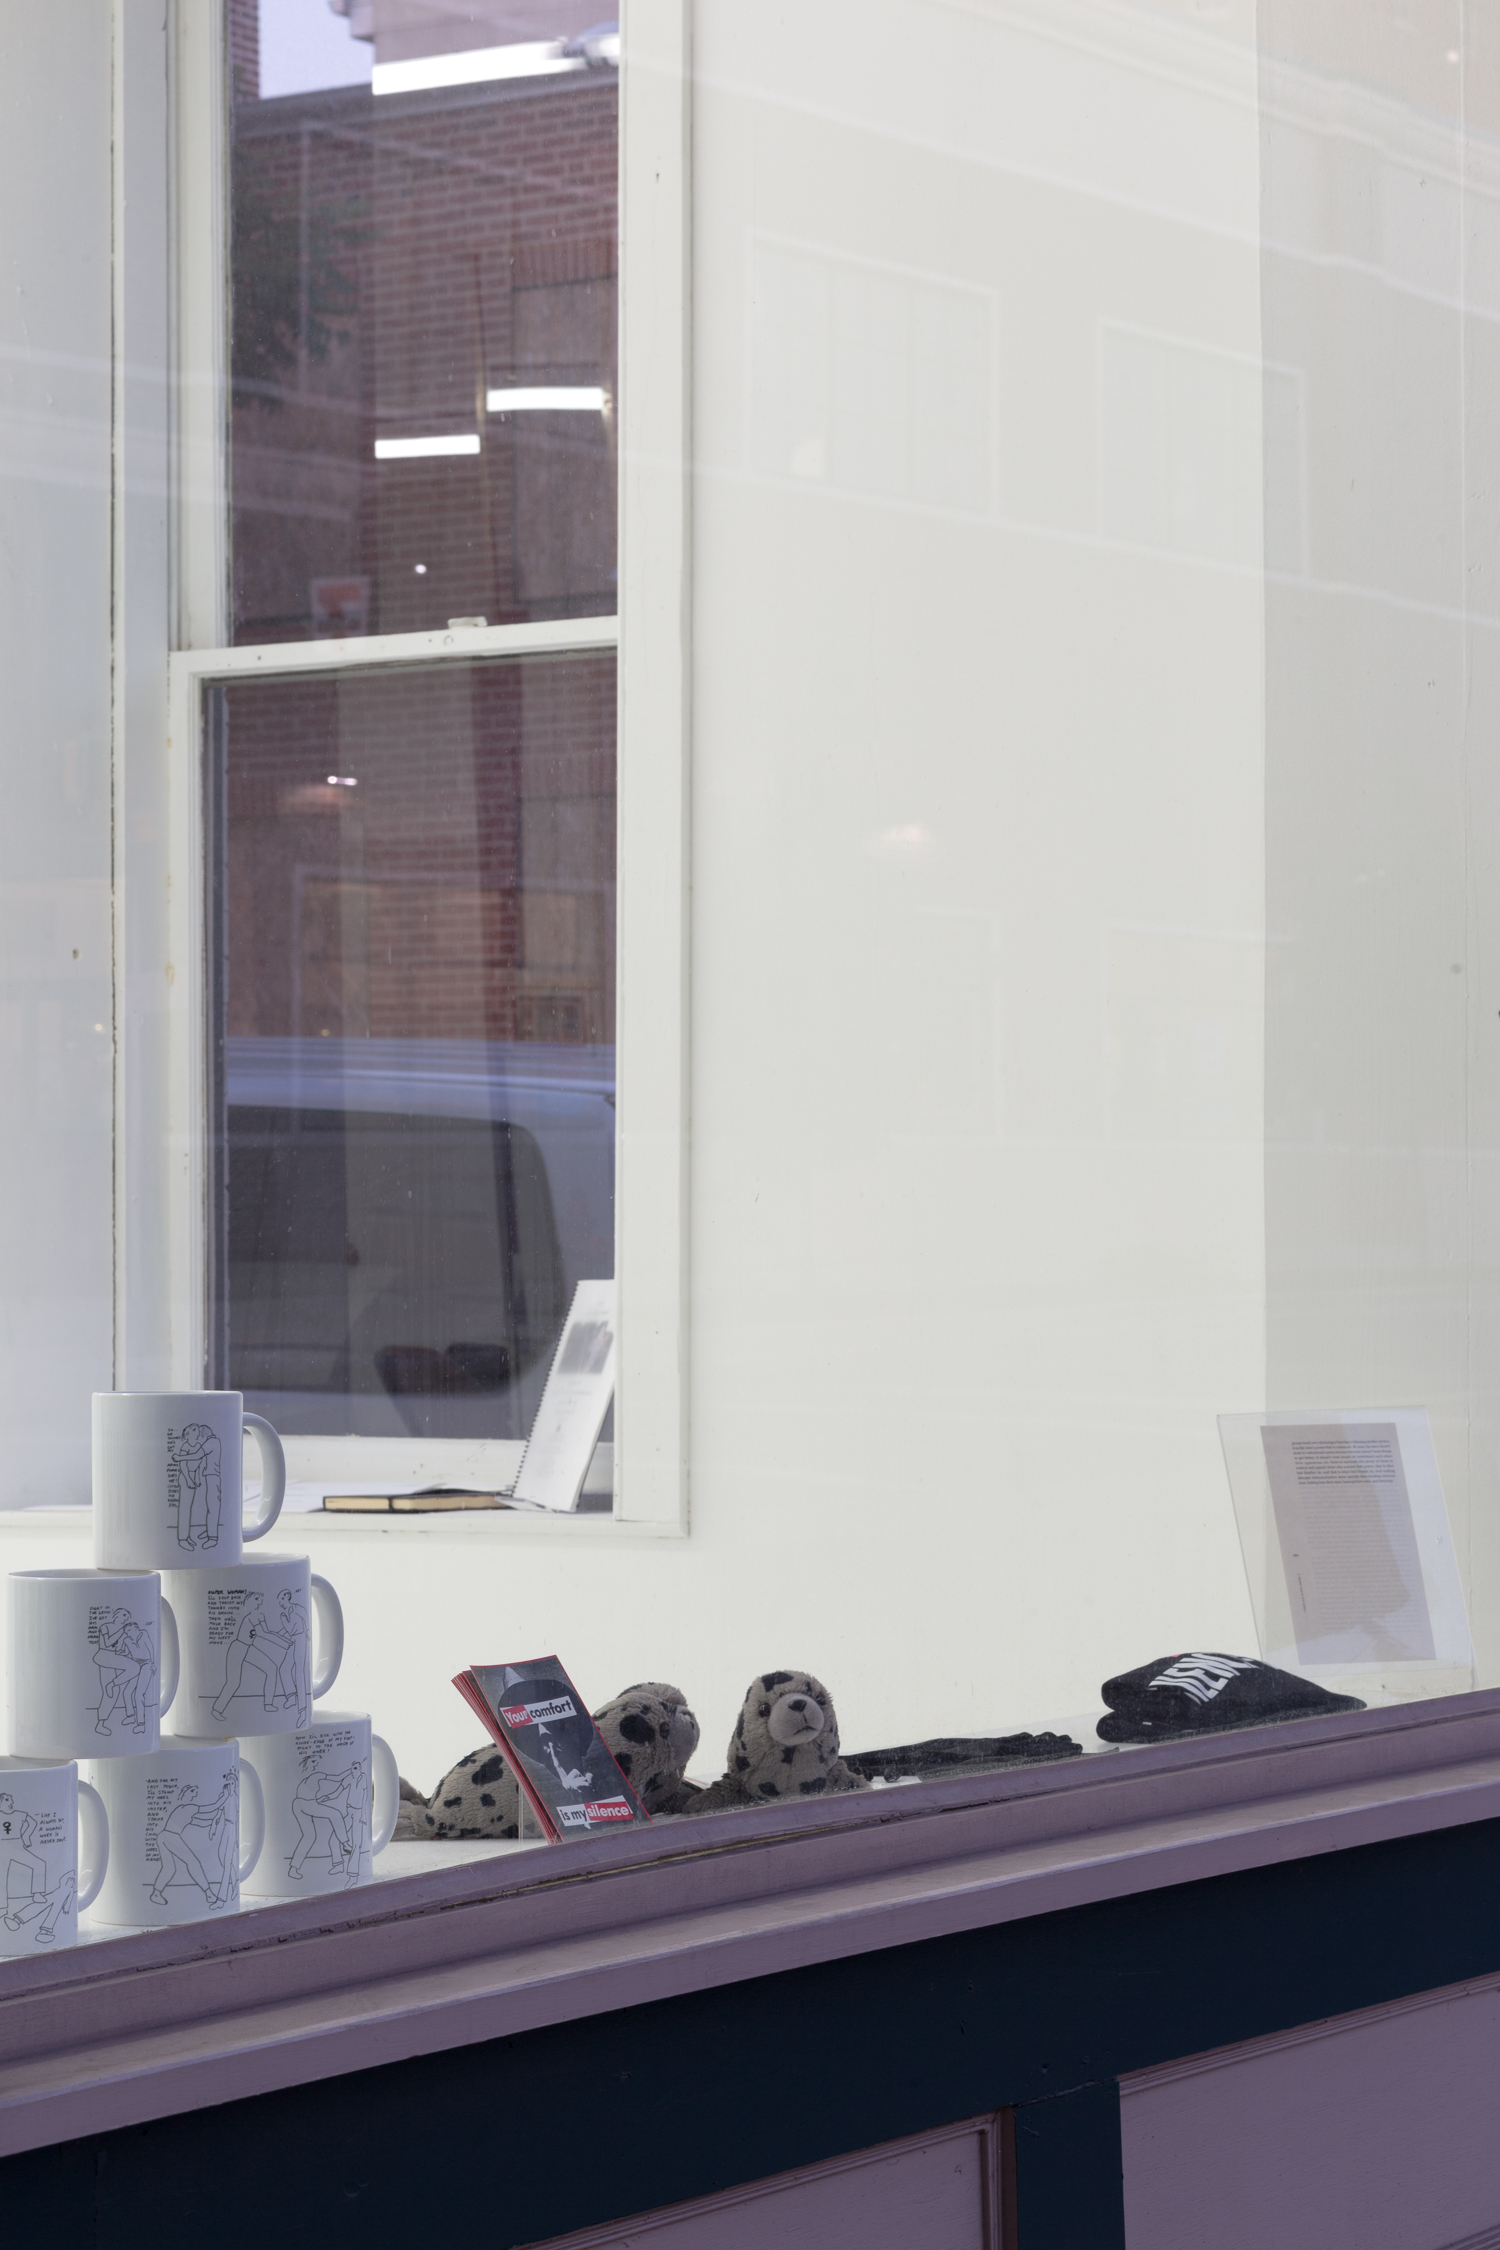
[955, 1753]
[1202, 1693]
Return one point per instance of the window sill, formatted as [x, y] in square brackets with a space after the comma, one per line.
[71, 1528]
[171, 2020]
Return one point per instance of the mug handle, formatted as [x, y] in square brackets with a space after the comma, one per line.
[170, 1639]
[272, 1476]
[251, 1858]
[388, 1786]
[330, 1634]
[98, 1820]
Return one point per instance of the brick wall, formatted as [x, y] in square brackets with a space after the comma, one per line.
[242, 39]
[393, 258]
[463, 889]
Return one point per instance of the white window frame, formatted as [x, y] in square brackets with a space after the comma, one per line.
[171, 563]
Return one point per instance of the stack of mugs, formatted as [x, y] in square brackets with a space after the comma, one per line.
[255, 1789]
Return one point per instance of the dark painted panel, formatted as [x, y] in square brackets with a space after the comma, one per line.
[523, 2138]
[1070, 2192]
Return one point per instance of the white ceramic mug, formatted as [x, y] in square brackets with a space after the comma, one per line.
[84, 1655]
[332, 1794]
[169, 1482]
[175, 1827]
[44, 1812]
[246, 1635]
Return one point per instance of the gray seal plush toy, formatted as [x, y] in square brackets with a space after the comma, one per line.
[785, 1744]
[650, 1733]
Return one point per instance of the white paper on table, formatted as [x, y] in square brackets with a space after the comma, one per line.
[1347, 1544]
[574, 1403]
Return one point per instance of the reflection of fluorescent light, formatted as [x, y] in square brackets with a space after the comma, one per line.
[529, 58]
[424, 448]
[582, 400]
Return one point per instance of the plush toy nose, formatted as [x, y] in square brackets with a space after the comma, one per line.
[796, 1718]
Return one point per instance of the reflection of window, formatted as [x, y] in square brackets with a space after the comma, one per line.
[1201, 450]
[1184, 1016]
[872, 379]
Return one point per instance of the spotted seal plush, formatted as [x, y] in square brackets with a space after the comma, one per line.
[785, 1744]
[650, 1732]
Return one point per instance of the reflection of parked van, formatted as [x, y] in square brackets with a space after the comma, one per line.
[405, 1223]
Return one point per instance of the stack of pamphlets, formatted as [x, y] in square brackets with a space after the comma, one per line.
[553, 1747]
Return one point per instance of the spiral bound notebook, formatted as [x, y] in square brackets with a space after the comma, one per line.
[580, 1385]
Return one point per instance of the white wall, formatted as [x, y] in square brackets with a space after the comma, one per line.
[56, 1028]
[1382, 286]
[977, 867]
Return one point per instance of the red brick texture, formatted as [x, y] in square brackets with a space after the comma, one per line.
[393, 259]
[463, 888]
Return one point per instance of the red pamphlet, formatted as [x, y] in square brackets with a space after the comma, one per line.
[552, 1746]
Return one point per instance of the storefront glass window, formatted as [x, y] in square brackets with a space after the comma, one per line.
[1088, 1050]
[1025, 834]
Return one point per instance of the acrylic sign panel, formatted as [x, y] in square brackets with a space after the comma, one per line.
[1347, 1544]
[574, 1403]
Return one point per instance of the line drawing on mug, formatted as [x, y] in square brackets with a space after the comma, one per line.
[195, 1485]
[329, 1809]
[292, 1621]
[24, 1893]
[205, 1859]
[274, 1653]
[125, 1652]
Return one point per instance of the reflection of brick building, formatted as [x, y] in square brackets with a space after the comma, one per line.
[456, 881]
[418, 864]
[394, 258]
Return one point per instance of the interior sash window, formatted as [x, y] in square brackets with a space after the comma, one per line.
[414, 1084]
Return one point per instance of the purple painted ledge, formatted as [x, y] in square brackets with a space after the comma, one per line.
[144, 2026]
